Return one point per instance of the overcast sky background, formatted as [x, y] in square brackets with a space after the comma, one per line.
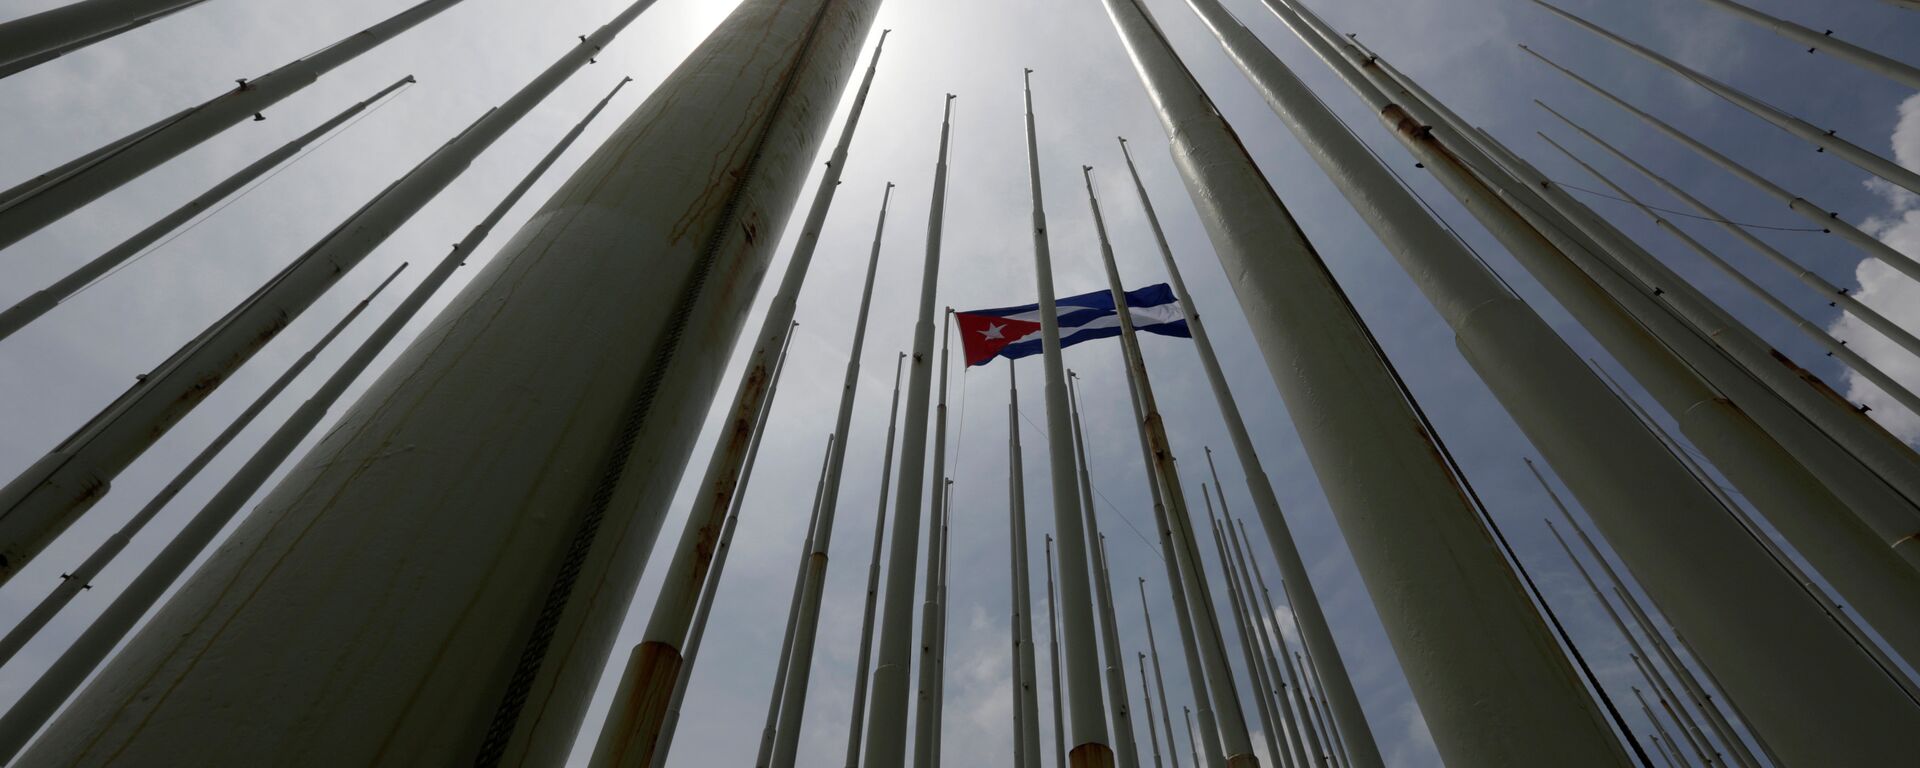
[59, 372]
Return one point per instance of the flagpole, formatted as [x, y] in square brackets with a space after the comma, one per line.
[1676, 755]
[1905, 74]
[1026, 687]
[1192, 743]
[1089, 729]
[892, 689]
[1660, 685]
[1703, 747]
[80, 578]
[1827, 291]
[1278, 686]
[1757, 439]
[1053, 628]
[857, 720]
[927, 707]
[652, 666]
[1326, 713]
[1262, 681]
[1314, 631]
[1314, 720]
[793, 613]
[1820, 336]
[711, 588]
[1371, 452]
[1823, 140]
[31, 205]
[1116, 688]
[1146, 697]
[1229, 740]
[38, 303]
[1826, 220]
[940, 648]
[794, 693]
[36, 39]
[1159, 681]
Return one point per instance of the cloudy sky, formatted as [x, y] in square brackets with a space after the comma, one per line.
[59, 372]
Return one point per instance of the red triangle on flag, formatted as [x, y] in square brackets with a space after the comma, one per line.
[983, 336]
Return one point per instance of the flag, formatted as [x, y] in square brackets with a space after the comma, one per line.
[1014, 332]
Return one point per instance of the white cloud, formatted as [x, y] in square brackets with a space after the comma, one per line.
[1886, 290]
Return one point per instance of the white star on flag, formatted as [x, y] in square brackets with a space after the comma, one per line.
[992, 332]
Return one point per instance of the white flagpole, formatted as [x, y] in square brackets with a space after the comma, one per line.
[892, 681]
[1053, 628]
[794, 693]
[1263, 687]
[857, 720]
[940, 643]
[1827, 291]
[1146, 696]
[1192, 743]
[1834, 347]
[1370, 453]
[651, 666]
[1790, 463]
[1293, 700]
[1703, 747]
[1902, 72]
[1089, 728]
[1314, 631]
[36, 39]
[1314, 720]
[1278, 686]
[1827, 220]
[926, 721]
[1025, 689]
[1234, 745]
[1666, 744]
[1824, 140]
[698, 630]
[1159, 681]
[39, 302]
[1121, 714]
[793, 614]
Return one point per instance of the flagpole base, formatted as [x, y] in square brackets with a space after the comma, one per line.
[632, 729]
[1091, 755]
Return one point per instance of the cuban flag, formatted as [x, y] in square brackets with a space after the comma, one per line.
[1014, 332]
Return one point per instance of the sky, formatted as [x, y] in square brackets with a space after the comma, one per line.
[62, 370]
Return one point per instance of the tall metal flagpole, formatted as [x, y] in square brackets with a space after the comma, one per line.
[892, 682]
[85, 653]
[1905, 74]
[1659, 682]
[1703, 747]
[1430, 565]
[1263, 685]
[1834, 347]
[793, 613]
[1278, 686]
[1824, 140]
[793, 707]
[1089, 734]
[73, 582]
[1789, 464]
[1731, 601]
[940, 643]
[1192, 743]
[1677, 755]
[858, 719]
[1827, 220]
[711, 588]
[1688, 683]
[33, 204]
[650, 668]
[1053, 628]
[1293, 700]
[1026, 677]
[1146, 696]
[40, 302]
[41, 502]
[488, 403]
[1159, 681]
[1326, 713]
[30, 41]
[1314, 631]
[1118, 709]
[926, 715]
[1229, 740]
[1825, 290]
[1619, 481]
[1314, 720]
